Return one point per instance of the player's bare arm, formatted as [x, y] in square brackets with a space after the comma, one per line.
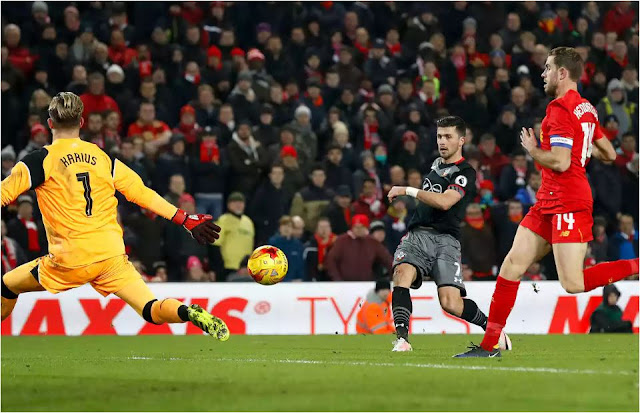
[558, 158]
[603, 150]
[443, 201]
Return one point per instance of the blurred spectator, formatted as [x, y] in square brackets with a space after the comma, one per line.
[158, 273]
[380, 68]
[395, 222]
[340, 210]
[26, 230]
[269, 203]
[139, 164]
[409, 157]
[512, 177]
[507, 130]
[94, 133]
[247, 159]
[600, 244]
[188, 127]
[95, 99]
[368, 203]
[534, 273]
[616, 103]
[265, 132]
[306, 141]
[607, 318]
[196, 272]
[506, 218]
[313, 199]
[378, 231]
[238, 234]
[623, 245]
[292, 248]
[630, 82]
[39, 138]
[205, 106]
[174, 162]
[209, 167]
[179, 245]
[316, 250]
[597, 88]
[527, 195]
[242, 275]
[298, 228]
[354, 254]
[337, 173]
[491, 157]
[8, 160]
[148, 230]
[154, 132]
[243, 99]
[374, 316]
[176, 188]
[607, 186]
[475, 236]
[619, 18]
[627, 159]
[12, 253]
[18, 55]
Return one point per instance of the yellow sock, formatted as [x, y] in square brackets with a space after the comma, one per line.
[166, 311]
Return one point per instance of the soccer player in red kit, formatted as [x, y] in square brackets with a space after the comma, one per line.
[562, 217]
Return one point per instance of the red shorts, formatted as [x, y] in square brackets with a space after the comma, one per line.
[560, 228]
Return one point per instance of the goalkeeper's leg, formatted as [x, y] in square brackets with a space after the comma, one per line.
[138, 295]
[17, 281]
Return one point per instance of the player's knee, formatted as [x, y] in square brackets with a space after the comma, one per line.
[450, 303]
[146, 312]
[7, 293]
[403, 275]
[511, 269]
[572, 286]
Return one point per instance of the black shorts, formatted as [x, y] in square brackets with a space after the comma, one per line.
[432, 254]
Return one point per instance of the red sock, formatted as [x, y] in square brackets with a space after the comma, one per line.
[609, 272]
[504, 297]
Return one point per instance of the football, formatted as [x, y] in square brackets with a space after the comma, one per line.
[268, 265]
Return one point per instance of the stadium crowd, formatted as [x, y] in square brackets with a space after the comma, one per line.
[289, 122]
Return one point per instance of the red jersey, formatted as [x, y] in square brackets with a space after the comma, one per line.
[148, 132]
[571, 122]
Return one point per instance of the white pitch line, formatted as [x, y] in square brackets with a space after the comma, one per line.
[415, 365]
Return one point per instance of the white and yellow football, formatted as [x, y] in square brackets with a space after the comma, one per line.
[268, 265]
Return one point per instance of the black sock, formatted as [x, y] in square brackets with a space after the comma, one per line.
[402, 309]
[183, 313]
[472, 314]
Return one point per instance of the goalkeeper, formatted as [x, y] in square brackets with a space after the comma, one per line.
[75, 182]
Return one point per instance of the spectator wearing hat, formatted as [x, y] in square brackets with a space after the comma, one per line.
[265, 132]
[337, 173]
[154, 132]
[379, 68]
[261, 80]
[375, 316]
[95, 99]
[179, 245]
[306, 140]
[247, 158]
[316, 250]
[116, 88]
[243, 99]
[8, 160]
[12, 254]
[237, 236]
[39, 138]
[174, 162]
[386, 100]
[34, 26]
[406, 101]
[414, 124]
[195, 271]
[313, 199]
[607, 318]
[475, 236]
[340, 210]
[314, 101]
[210, 169]
[188, 127]
[409, 157]
[292, 248]
[263, 33]
[616, 103]
[270, 202]
[354, 254]
[28, 231]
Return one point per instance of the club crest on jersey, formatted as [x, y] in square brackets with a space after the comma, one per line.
[400, 256]
[428, 186]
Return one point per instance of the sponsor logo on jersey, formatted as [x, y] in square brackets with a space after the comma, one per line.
[428, 186]
[565, 233]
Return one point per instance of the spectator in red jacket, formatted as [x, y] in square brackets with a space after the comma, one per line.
[154, 132]
[627, 155]
[188, 126]
[95, 99]
[354, 253]
[619, 18]
[119, 53]
[368, 203]
[492, 160]
[19, 56]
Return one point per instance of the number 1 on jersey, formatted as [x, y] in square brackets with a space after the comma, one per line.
[84, 178]
[588, 129]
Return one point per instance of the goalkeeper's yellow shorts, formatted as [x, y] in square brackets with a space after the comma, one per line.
[106, 277]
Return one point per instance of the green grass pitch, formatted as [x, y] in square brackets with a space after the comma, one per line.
[298, 373]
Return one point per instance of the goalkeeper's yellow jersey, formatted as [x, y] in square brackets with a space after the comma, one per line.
[75, 182]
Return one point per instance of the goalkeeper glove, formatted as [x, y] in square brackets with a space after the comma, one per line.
[200, 226]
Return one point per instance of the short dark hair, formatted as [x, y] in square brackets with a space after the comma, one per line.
[317, 167]
[368, 179]
[413, 171]
[455, 121]
[487, 137]
[276, 165]
[518, 152]
[570, 59]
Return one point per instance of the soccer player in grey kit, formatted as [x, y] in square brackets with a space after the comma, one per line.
[431, 245]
